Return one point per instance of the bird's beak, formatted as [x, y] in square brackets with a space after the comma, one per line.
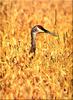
[46, 31]
[43, 30]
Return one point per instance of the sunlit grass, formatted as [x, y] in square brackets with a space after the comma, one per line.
[48, 74]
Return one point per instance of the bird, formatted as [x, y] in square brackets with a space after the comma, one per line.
[34, 31]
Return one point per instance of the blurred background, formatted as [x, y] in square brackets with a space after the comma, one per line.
[49, 74]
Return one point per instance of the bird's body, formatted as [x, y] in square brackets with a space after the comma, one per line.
[35, 30]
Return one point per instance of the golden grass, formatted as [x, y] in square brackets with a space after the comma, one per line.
[48, 75]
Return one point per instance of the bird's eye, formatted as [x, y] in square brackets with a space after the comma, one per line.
[35, 29]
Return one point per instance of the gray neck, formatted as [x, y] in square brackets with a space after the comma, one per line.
[33, 42]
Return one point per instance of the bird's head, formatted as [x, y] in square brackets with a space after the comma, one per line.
[35, 30]
[39, 29]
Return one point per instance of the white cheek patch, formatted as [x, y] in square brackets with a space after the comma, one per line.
[34, 35]
[39, 30]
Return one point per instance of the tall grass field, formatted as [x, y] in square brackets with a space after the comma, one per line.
[48, 74]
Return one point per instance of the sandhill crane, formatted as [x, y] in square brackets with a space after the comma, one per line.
[35, 30]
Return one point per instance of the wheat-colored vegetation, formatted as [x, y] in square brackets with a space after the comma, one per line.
[48, 74]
